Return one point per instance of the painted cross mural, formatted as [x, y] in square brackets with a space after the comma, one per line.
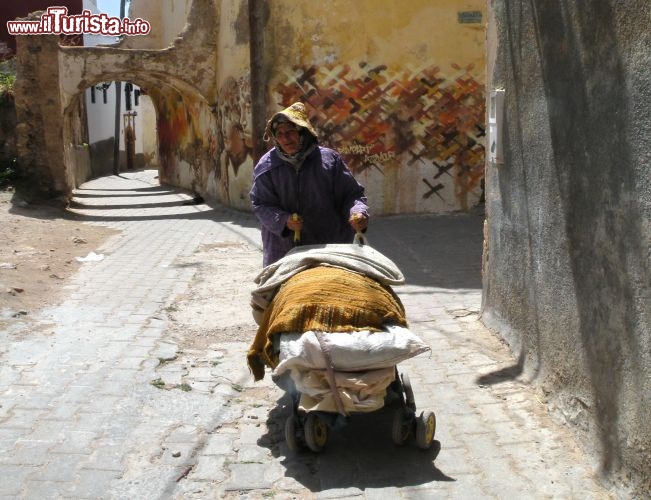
[374, 116]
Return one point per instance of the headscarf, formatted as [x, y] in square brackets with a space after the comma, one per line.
[297, 115]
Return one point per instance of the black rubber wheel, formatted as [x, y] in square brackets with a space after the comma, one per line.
[294, 443]
[425, 429]
[402, 425]
[316, 432]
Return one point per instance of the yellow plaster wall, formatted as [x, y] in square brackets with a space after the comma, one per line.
[389, 30]
[397, 87]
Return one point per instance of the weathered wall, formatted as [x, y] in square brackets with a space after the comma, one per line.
[397, 88]
[567, 262]
[187, 146]
[404, 103]
[148, 135]
[39, 138]
[232, 177]
[167, 18]
[51, 79]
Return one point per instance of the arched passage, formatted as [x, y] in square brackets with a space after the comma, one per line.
[176, 130]
[178, 76]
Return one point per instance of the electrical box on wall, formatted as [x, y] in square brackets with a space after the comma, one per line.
[496, 126]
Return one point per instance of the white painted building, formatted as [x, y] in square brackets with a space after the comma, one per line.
[101, 105]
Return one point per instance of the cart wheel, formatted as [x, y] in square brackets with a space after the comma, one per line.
[294, 442]
[316, 432]
[425, 429]
[409, 392]
[401, 426]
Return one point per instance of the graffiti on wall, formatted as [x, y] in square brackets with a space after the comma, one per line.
[234, 135]
[182, 122]
[375, 116]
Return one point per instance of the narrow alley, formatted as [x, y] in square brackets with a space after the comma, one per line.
[137, 386]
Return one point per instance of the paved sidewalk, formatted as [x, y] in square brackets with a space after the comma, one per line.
[115, 398]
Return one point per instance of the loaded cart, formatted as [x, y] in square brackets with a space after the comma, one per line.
[333, 331]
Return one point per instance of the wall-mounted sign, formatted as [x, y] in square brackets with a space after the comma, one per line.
[469, 17]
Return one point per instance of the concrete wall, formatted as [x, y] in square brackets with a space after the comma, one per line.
[567, 261]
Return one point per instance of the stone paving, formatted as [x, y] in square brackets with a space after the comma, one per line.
[113, 398]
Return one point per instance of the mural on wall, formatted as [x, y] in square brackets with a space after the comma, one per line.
[373, 116]
[181, 123]
[233, 172]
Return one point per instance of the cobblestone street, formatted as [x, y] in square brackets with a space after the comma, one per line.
[135, 386]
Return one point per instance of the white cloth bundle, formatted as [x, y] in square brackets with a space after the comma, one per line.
[358, 391]
[364, 364]
[354, 351]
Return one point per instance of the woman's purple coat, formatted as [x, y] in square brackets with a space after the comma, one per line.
[323, 191]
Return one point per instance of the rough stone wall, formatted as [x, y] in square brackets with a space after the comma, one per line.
[39, 138]
[567, 263]
[51, 80]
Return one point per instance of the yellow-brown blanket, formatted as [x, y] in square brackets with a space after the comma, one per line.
[328, 299]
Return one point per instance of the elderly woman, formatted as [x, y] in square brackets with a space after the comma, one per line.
[303, 193]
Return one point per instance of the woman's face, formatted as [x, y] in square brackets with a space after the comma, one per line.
[288, 138]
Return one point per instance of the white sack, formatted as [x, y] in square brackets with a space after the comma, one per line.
[355, 351]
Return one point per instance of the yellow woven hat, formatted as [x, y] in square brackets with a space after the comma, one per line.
[296, 114]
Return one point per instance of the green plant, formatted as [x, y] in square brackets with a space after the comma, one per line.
[7, 81]
[158, 383]
[162, 361]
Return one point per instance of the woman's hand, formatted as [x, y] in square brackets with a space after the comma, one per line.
[359, 221]
[295, 222]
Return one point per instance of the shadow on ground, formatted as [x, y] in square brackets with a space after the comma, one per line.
[138, 200]
[442, 251]
[360, 455]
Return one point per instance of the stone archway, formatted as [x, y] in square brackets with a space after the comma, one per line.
[171, 98]
[52, 78]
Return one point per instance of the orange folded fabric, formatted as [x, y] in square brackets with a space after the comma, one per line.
[323, 298]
